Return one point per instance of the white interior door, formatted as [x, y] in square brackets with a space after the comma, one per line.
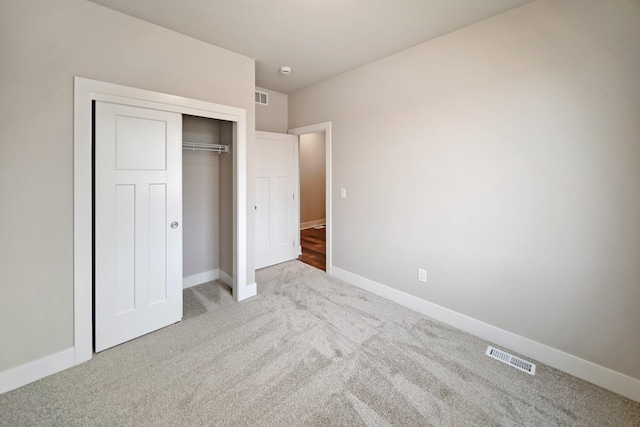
[138, 215]
[276, 196]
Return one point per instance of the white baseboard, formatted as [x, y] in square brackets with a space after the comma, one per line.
[245, 292]
[228, 280]
[29, 372]
[251, 290]
[588, 371]
[311, 224]
[200, 278]
[297, 251]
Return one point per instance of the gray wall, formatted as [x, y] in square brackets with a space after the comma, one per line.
[505, 159]
[312, 177]
[272, 117]
[43, 45]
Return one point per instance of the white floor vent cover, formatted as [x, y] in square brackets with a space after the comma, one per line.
[512, 360]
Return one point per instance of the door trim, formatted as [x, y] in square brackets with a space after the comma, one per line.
[85, 92]
[326, 128]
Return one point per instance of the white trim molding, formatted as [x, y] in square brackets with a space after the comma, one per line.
[200, 278]
[311, 224]
[18, 376]
[573, 365]
[225, 278]
[85, 92]
[246, 292]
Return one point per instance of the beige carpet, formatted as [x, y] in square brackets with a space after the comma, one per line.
[308, 351]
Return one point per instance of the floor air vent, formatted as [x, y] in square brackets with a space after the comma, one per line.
[512, 360]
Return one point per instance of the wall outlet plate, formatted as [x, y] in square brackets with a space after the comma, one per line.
[422, 275]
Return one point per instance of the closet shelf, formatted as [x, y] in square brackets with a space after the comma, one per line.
[199, 146]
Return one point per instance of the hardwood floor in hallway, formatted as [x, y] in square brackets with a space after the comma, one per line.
[314, 247]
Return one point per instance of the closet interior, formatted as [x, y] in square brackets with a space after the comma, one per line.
[207, 200]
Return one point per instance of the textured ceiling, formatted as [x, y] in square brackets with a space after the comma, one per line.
[318, 39]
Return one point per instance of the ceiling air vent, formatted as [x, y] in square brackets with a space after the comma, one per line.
[262, 98]
[512, 360]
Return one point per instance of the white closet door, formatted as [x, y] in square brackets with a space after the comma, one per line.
[275, 203]
[138, 215]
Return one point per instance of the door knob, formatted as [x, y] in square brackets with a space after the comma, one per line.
[174, 224]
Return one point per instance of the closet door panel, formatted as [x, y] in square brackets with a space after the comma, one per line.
[125, 227]
[138, 215]
[279, 204]
[263, 210]
[157, 243]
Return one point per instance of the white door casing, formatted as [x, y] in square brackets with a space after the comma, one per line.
[138, 216]
[86, 92]
[276, 198]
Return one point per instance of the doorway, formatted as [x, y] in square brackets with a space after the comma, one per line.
[85, 93]
[315, 229]
[313, 216]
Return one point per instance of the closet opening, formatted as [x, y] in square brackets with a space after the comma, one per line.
[207, 212]
[144, 176]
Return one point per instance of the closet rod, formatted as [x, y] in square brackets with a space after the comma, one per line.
[199, 146]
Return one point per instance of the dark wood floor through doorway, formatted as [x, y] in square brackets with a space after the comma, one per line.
[314, 247]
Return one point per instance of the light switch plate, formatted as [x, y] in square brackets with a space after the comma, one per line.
[343, 193]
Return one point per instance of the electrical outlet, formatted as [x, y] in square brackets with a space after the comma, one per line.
[343, 193]
[422, 275]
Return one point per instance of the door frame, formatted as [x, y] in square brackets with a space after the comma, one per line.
[326, 128]
[85, 92]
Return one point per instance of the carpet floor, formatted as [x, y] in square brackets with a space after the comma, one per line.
[310, 351]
